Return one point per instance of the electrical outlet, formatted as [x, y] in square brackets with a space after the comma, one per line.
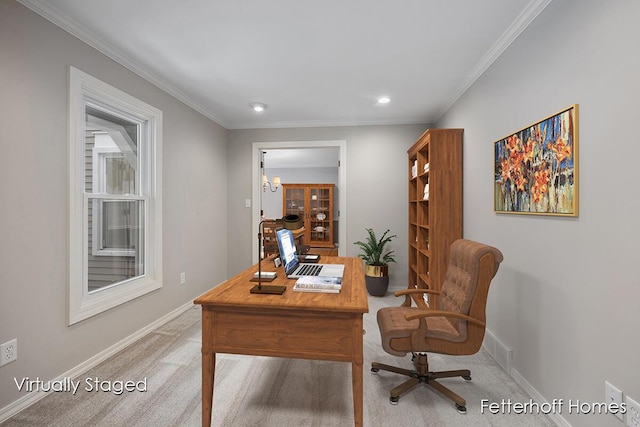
[633, 413]
[614, 396]
[8, 352]
[183, 278]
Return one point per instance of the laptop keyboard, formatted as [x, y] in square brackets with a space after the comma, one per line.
[309, 270]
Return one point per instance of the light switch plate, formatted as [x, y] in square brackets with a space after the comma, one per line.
[8, 352]
[633, 413]
[614, 396]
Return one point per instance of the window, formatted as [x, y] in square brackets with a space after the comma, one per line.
[115, 248]
[114, 222]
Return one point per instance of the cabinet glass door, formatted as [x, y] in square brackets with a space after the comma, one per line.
[294, 202]
[320, 215]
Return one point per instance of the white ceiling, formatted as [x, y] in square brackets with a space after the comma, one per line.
[313, 63]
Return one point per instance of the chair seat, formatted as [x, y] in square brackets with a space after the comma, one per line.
[397, 329]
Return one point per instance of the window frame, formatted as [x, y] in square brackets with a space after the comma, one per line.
[100, 155]
[86, 90]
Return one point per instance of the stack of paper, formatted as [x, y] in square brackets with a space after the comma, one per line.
[265, 275]
[318, 284]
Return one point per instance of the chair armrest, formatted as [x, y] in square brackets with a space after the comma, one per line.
[415, 291]
[407, 293]
[420, 314]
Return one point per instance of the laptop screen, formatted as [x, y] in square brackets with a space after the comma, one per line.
[288, 251]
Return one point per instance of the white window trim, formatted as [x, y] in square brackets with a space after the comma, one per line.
[83, 304]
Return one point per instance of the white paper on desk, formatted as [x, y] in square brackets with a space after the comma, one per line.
[318, 284]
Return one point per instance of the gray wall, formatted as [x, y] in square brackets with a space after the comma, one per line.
[272, 202]
[34, 62]
[376, 185]
[567, 297]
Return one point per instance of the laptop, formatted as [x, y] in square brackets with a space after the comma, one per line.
[293, 268]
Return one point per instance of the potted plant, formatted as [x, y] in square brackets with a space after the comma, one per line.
[376, 274]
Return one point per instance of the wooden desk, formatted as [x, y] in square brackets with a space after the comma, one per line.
[302, 325]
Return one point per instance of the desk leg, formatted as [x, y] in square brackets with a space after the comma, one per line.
[356, 374]
[208, 371]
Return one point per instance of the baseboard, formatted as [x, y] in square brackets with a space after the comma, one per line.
[558, 419]
[31, 398]
[498, 350]
[504, 356]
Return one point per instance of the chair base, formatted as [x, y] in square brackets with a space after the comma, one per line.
[422, 375]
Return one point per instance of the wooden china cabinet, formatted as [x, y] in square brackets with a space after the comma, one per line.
[314, 204]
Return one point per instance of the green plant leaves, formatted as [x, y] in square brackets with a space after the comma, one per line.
[372, 250]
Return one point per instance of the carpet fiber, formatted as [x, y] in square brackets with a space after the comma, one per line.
[263, 391]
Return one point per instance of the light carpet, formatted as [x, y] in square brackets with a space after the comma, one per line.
[264, 391]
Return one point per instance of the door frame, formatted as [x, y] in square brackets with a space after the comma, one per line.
[256, 187]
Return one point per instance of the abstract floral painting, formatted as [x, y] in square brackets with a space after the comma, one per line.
[536, 168]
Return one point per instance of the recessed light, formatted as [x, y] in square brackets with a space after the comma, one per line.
[258, 107]
[384, 100]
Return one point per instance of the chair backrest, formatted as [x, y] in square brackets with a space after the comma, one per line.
[472, 265]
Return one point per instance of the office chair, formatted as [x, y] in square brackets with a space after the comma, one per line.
[455, 324]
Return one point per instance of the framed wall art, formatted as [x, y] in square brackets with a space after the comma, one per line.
[536, 168]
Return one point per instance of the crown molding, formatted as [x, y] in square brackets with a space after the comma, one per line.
[323, 123]
[526, 17]
[86, 36]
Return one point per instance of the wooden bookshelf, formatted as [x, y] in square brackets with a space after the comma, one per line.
[435, 221]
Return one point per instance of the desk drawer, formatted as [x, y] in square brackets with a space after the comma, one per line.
[286, 334]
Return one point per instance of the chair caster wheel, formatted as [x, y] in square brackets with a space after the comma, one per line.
[461, 409]
[394, 400]
[467, 377]
[374, 370]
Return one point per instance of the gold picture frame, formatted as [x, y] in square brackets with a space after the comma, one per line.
[536, 168]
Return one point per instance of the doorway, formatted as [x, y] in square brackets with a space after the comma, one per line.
[299, 147]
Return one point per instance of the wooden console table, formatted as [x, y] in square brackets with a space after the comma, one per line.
[302, 325]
